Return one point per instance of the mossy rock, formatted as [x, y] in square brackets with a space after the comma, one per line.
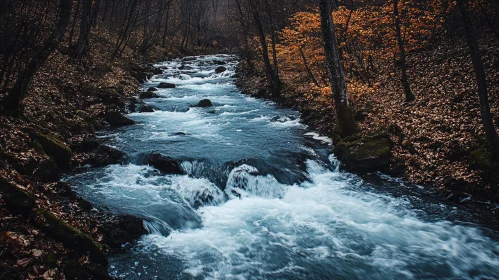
[364, 154]
[56, 149]
[70, 236]
[18, 201]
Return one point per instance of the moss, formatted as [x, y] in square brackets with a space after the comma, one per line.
[17, 200]
[365, 154]
[57, 141]
[70, 236]
[56, 149]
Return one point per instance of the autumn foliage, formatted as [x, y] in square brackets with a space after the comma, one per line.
[436, 138]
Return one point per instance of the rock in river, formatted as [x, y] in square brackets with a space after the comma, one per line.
[220, 69]
[166, 85]
[148, 95]
[165, 164]
[117, 119]
[204, 103]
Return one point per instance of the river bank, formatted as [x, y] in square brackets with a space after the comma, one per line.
[230, 154]
[46, 229]
[444, 147]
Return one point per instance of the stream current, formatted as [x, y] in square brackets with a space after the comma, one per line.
[264, 198]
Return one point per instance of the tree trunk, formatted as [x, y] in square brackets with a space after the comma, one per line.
[81, 46]
[488, 123]
[344, 112]
[272, 75]
[409, 96]
[18, 91]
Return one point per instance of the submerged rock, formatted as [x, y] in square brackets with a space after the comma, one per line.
[152, 89]
[185, 67]
[165, 164]
[364, 154]
[148, 95]
[220, 69]
[166, 85]
[117, 119]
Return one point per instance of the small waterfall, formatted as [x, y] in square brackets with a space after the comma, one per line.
[244, 181]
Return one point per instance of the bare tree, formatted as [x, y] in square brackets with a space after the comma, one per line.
[16, 94]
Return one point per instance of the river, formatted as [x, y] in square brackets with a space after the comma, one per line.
[264, 198]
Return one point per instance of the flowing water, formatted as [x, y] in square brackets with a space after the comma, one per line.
[264, 199]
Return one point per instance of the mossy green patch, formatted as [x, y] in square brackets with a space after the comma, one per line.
[70, 236]
[56, 149]
[364, 153]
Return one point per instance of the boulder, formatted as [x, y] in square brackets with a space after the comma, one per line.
[148, 95]
[166, 85]
[364, 154]
[105, 155]
[47, 171]
[69, 236]
[117, 119]
[123, 229]
[220, 69]
[141, 77]
[134, 104]
[17, 200]
[56, 149]
[146, 109]
[152, 89]
[204, 103]
[165, 164]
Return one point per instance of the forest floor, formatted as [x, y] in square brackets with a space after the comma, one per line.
[437, 140]
[68, 100]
